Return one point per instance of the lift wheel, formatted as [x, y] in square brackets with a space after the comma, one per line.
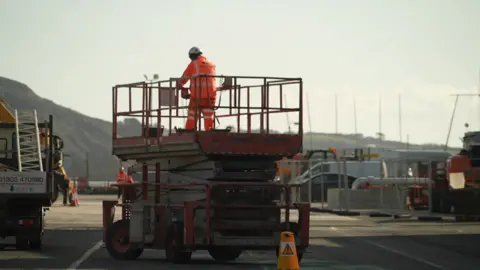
[118, 244]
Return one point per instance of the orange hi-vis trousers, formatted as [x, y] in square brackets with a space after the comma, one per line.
[202, 106]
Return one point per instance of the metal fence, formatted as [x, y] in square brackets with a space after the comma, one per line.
[382, 185]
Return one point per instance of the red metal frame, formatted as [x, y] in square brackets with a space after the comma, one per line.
[108, 212]
[128, 196]
[262, 142]
[256, 88]
[419, 193]
[190, 207]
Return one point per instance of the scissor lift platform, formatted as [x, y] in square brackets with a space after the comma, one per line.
[206, 143]
[260, 97]
[213, 189]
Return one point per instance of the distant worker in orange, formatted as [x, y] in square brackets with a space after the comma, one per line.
[298, 156]
[202, 92]
[282, 166]
[123, 178]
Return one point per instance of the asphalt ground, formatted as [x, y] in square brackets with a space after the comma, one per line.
[72, 241]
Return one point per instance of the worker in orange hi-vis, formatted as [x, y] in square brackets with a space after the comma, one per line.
[122, 178]
[297, 163]
[202, 94]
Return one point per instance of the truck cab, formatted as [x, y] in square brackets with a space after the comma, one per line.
[463, 168]
[26, 194]
[471, 152]
[8, 153]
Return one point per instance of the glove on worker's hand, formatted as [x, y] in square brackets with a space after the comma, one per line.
[185, 94]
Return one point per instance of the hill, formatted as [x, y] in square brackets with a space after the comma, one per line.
[325, 140]
[83, 134]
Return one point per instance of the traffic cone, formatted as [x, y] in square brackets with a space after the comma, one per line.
[408, 201]
[287, 253]
[75, 201]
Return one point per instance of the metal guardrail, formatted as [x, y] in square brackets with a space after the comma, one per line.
[343, 185]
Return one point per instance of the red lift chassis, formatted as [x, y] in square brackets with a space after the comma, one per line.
[209, 190]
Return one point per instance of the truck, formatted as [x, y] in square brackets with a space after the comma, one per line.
[456, 187]
[9, 158]
[27, 180]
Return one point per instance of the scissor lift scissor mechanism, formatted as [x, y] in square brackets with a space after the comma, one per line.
[210, 190]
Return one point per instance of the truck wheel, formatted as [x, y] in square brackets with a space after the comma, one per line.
[225, 254]
[36, 243]
[118, 244]
[21, 243]
[174, 250]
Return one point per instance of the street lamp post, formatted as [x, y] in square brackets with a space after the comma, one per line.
[154, 79]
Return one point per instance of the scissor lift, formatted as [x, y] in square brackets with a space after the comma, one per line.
[210, 190]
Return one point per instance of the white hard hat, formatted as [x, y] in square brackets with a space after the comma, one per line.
[194, 51]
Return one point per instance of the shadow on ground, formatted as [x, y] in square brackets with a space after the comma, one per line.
[335, 252]
[60, 249]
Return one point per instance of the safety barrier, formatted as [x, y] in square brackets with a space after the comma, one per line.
[388, 200]
[389, 185]
[245, 104]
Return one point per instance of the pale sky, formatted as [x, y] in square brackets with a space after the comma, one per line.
[73, 52]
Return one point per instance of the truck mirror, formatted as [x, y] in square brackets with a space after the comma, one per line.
[58, 143]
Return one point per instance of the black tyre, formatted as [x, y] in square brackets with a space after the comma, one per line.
[174, 250]
[225, 254]
[22, 243]
[118, 244]
[36, 243]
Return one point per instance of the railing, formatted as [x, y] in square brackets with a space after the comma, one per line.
[385, 185]
[244, 104]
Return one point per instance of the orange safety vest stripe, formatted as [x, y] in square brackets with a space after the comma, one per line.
[200, 87]
[122, 178]
[283, 167]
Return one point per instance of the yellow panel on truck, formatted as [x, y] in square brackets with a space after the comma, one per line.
[6, 115]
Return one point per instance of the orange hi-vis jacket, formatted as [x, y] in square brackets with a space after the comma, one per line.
[282, 167]
[205, 87]
[123, 178]
[285, 165]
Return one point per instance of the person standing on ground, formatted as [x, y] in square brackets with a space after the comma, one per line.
[123, 178]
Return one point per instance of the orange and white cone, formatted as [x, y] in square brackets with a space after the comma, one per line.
[287, 254]
[408, 202]
[75, 201]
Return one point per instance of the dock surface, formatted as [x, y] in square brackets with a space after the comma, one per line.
[73, 241]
